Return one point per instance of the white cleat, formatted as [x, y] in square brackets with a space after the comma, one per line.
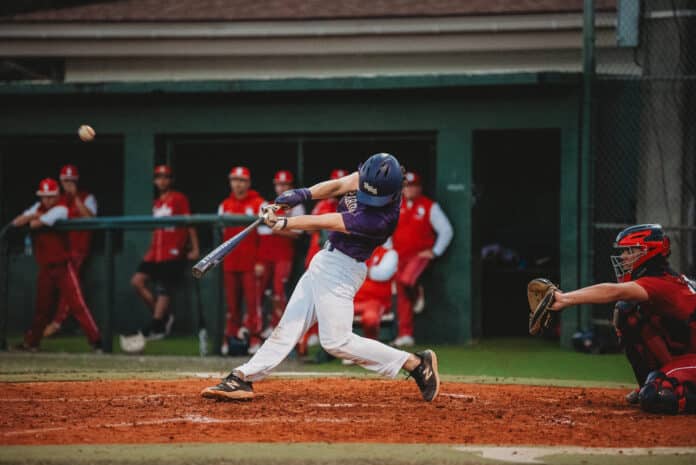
[404, 341]
[224, 349]
[254, 348]
[313, 340]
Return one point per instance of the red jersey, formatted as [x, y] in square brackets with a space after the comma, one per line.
[376, 290]
[169, 243]
[668, 295]
[275, 247]
[243, 257]
[80, 240]
[414, 232]
[50, 247]
[682, 367]
[315, 243]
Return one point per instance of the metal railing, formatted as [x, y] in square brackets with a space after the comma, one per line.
[110, 224]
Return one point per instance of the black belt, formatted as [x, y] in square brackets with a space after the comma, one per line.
[330, 248]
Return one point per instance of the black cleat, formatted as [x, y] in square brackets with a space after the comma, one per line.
[632, 397]
[427, 376]
[230, 388]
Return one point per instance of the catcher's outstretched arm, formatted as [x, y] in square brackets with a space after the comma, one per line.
[603, 293]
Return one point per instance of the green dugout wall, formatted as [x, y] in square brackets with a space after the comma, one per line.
[448, 107]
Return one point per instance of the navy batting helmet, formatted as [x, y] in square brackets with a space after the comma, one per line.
[381, 180]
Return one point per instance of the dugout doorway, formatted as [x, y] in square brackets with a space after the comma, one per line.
[516, 223]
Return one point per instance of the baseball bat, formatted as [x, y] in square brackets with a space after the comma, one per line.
[215, 257]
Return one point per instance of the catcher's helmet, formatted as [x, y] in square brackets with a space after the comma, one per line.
[638, 245]
[380, 180]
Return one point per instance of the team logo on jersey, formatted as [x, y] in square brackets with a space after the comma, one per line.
[163, 210]
[420, 211]
[351, 201]
[370, 188]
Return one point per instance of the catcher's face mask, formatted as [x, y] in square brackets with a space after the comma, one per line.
[625, 263]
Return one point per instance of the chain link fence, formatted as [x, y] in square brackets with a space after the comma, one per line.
[644, 132]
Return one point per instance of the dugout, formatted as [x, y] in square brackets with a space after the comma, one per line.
[309, 127]
[484, 98]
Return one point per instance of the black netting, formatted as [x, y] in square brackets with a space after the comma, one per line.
[644, 133]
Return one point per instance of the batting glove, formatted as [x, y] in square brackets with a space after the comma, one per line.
[293, 197]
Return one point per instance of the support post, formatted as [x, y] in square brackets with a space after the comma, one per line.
[107, 314]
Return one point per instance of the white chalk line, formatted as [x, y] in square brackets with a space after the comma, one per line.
[536, 454]
[195, 419]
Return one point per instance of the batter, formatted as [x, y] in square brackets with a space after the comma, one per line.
[367, 215]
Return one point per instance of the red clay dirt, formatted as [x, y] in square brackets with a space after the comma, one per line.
[330, 410]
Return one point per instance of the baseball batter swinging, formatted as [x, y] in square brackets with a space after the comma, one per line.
[367, 215]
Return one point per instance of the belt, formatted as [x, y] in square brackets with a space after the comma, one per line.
[330, 248]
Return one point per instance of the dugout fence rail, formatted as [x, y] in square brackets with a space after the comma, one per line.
[109, 225]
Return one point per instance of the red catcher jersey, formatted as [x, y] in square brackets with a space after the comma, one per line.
[243, 257]
[375, 290]
[169, 243]
[50, 247]
[79, 240]
[414, 232]
[670, 296]
[682, 367]
[322, 207]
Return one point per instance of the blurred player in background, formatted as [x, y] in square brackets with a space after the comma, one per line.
[318, 238]
[316, 243]
[655, 313]
[239, 266]
[165, 262]
[80, 204]
[276, 250]
[375, 295]
[423, 233]
[56, 272]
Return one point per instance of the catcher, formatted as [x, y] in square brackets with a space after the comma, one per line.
[655, 312]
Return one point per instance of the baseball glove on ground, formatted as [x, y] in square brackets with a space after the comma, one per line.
[540, 295]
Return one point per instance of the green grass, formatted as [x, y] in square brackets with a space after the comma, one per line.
[334, 454]
[522, 360]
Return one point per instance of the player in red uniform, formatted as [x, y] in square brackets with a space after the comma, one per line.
[655, 315]
[239, 265]
[423, 233]
[275, 253]
[672, 389]
[317, 238]
[56, 271]
[80, 204]
[375, 295]
[165, 262]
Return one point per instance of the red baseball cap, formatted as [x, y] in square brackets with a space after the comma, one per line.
[240, 172]
[338, 173]
[413, 178]
[69, 173]
[283, 176]
[163, 170]
[48, 187]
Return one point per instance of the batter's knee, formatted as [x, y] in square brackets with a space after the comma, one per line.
[334, 345]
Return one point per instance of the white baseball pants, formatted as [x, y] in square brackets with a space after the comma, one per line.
[325, 294]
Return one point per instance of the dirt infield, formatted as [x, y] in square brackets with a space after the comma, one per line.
[330, 410]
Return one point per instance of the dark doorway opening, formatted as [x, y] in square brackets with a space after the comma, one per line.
[516, 223]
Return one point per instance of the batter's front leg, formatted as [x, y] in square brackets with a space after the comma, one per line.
[299, 316]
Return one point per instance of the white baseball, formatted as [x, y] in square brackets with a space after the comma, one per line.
[86, 133]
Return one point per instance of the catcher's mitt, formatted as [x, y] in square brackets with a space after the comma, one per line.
[540, 295]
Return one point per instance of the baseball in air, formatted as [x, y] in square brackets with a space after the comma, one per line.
[86, 133]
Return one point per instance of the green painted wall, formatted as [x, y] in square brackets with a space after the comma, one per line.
[451, 111]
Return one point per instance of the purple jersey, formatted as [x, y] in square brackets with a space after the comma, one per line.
[368, 227]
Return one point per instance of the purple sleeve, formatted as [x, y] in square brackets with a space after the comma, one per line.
[362, 223]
